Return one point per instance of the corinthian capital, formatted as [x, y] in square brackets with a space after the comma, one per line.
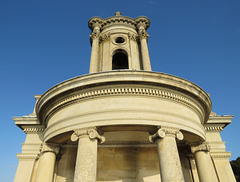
[91, 132]
[200, 147]
[142, 33]
[95, 34]
[166, 131]
[50, 147]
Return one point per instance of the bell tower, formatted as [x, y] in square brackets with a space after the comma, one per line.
[119, 42]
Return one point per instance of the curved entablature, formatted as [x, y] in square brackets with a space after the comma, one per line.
[124, 97]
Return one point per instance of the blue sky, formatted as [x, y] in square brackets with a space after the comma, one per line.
[44, 42]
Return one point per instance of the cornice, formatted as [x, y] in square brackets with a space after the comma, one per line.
[222, 155]
[213, 128]
[104, 23]
[33, 129]
[22, 156]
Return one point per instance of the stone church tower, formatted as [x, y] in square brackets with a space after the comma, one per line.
[122, 122]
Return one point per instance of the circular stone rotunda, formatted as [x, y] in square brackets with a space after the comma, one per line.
[123, 122]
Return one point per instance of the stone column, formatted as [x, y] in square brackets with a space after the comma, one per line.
[143, 36]
[204, 163]
[95, 48]
[86, 163]
[169, 160]
[47, 161]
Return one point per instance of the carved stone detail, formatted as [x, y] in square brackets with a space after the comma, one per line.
[33, 130]
[91, 132]
[49, 147]
[143, 34]
[132, 36]
[96, 21]
[166, 131]
[213, 128]
[142, 21]
[105, 37]
[95, 34]
[201, 147]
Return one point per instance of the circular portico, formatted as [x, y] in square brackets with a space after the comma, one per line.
[115, 99]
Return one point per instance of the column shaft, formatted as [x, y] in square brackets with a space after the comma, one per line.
[46, 167]
[145, 55]
[169, 161]
[86, 164]
[205, 167]
[94, 56]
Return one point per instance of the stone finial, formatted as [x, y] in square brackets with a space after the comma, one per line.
[118, 13]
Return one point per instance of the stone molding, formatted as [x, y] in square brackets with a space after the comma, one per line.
[28, 156]
[132, 36]
[125, 91]
[95, 21]
[104, 37]
[224, 155]
[118, 19]
[34, 130]
[142, 20]
[164, 131]
[49, 147]
[200, 147]
[213, 128]
[91, 132]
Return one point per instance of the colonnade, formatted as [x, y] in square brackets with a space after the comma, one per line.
[166, 143]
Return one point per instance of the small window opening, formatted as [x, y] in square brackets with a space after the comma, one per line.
[120, 40]
[120, 60]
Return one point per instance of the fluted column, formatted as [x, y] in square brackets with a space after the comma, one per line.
[143, 36]
[169, 161]
[47, 161]
[204, 163]
[95, 48]
[86, 163]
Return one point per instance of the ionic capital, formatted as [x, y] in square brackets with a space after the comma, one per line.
[91, 132]
[166, 131]
[200, 147]
[50, 147]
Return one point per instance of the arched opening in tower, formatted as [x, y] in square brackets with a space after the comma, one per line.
[120, 60]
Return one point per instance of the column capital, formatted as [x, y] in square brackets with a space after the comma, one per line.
[166, 131]
[91, 132]
[142, 34]
[95, 34]
[200, 147]
[50, 147]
